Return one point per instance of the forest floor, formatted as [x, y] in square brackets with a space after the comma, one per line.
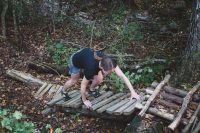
[15, 95]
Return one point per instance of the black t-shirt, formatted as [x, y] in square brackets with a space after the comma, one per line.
[85, 60]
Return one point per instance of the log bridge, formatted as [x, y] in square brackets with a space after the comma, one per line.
[172, 104]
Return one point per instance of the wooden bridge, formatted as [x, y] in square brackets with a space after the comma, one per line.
[166, 102]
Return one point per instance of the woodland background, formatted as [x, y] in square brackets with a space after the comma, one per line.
[149, 38]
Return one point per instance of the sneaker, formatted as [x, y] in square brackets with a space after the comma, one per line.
[65, 94]
[94, 93]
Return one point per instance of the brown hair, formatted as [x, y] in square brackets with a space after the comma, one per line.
[108, 63]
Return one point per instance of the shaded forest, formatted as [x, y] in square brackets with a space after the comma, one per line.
[148, 38]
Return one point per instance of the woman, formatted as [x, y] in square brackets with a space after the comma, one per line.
[96, 66]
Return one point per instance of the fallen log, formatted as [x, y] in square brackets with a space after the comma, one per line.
[177, 92]
[197, 128]
[175, 99]
[188, 126]
[168, 104]
[24, 77]
[186, 101]
[48, 68]
[155, 93]
[138, 118]
[156, 112]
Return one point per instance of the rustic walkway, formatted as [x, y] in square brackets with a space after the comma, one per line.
[161, 100]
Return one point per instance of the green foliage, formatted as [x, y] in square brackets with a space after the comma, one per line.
[75, 117]
[47, 128]
[118, 18]
[130, 32]
[13, 122]
[144, 76]
[59, 52]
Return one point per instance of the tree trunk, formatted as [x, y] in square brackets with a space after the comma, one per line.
[3, 18]
[14, 17]
[189, 70]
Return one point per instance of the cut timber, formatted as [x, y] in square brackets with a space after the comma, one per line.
[186, 101]
[152, 97]
[59, 97]
[188, 126]
[99, 99]
[44, 91]
[40, 90]
[52, 91]
[120, 110]
[48, 68]
[168, 104]
[116, 106]
[156, 112]
[177, 92]
[78, 103]
[103, 108]
[73, 96]
[100, 104]
[171, 97]
[131, 108]
[24, 77]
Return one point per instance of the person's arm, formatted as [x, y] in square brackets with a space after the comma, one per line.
[120, 74]
[84, 85]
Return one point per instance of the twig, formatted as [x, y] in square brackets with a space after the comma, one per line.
[51, 68]
[92, 35]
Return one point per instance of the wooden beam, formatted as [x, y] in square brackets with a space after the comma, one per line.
[186, 101]
[188, 126]
[24, 77]
[152, 97]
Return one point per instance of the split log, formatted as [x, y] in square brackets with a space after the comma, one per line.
[48, 68]
[177, 92]
[187, 128]
[24, 77]
[173, 98]
[152, 97]
[186, 101]
[168, 104]
[197, 128]
[156, 112]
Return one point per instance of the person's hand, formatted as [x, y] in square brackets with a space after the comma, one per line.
[135, 96]
[87, 104]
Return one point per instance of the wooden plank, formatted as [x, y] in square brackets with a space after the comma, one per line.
[69, 93]
[78, 104]
[40, 90]
[74, 100]
[102, 103]
[120, 110]
[132, 108]
[52, 90]
[59, 89]
[44, 91]
[116, 106]
[99, 99]
[58, 97]
[103, 108]
[73, 97]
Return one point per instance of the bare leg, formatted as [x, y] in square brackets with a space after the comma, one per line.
[72, 81]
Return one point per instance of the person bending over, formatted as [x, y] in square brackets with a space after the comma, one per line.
[95, 66]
